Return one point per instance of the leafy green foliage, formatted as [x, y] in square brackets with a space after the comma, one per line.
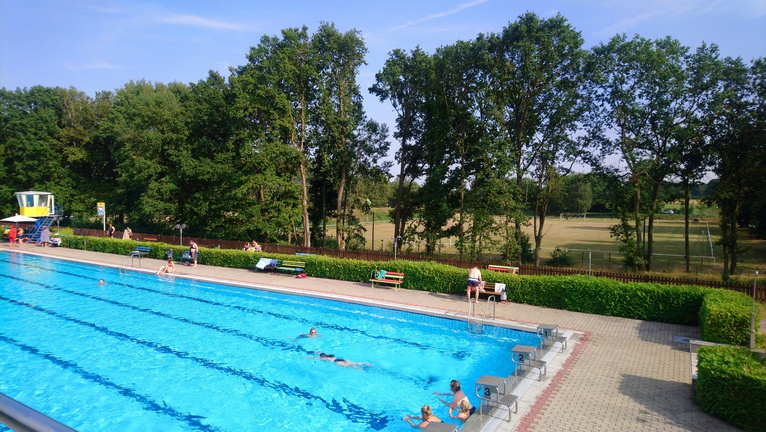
[731, 384]
[560, 258]
[723, 316]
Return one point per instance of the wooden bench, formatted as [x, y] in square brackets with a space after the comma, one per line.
[291, 266]
[503, 269]
[389, 277]
[489, 290]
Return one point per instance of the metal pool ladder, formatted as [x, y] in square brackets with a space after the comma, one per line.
[471, 309]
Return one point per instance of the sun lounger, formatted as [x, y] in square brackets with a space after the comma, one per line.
[266, 264]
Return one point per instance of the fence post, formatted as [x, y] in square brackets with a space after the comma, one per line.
[752, 314]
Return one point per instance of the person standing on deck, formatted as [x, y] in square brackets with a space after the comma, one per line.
[474, 283]
[193, 251]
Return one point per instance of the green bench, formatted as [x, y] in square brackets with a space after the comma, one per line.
[291, 266]
[387, 277]
[140, 251]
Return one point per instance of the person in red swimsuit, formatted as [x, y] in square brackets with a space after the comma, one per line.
[12, 236]
[168, 268]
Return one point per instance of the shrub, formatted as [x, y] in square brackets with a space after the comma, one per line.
[560, 258]
[723, 315]
[731, 384]
[650, 302]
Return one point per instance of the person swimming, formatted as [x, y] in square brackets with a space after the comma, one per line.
[342, 362]
[331, 357]
[311, 334]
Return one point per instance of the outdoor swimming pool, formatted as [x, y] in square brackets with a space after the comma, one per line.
[143, 352]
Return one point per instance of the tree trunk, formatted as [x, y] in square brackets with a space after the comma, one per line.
[340, 219]
[305, 203]
[324, 213]
[541, 210]
[687, 252]
[733, 240]
[399, 197]
[461, 208]
[650, 230]
[639, 264]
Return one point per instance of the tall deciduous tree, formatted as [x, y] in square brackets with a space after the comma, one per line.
[403, 82]
[339, 57]
[147, 125]
[454, 134]
[536, 71]
[276, 92]
[738, 139]
[689, 149]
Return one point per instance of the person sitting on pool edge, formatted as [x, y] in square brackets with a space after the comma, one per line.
[167, 269]
[342, 362]
[426, 415]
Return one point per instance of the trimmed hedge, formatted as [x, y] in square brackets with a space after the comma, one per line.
[644, 301]
[731, 384]
[724, 316]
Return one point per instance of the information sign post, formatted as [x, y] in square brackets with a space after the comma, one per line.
[101, 211]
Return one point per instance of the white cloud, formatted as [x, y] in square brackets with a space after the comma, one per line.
[79, 67]
[648, 10]
[197, 21]
[442, 14]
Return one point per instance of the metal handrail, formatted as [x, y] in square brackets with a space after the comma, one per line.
[494, 308]
[22, 418]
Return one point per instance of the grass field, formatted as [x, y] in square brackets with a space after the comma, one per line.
[593, 234]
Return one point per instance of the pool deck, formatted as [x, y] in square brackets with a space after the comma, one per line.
[616, 373]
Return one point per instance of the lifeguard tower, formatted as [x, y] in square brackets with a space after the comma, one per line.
[37, 205]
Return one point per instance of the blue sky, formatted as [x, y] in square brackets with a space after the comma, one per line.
[96, 45]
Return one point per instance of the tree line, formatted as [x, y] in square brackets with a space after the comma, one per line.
[490, 130]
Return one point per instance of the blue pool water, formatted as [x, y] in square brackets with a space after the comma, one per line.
[148, 353]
